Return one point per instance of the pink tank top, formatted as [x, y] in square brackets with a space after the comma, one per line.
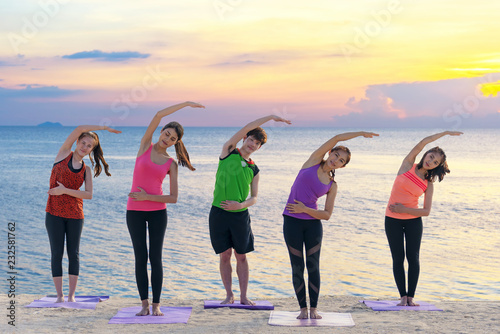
[407, 188]
[149, 176]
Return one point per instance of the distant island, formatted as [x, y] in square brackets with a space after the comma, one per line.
[50, 124]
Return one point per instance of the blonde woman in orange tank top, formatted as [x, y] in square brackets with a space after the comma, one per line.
[403, 217]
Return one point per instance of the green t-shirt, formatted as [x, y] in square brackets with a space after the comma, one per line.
[233, 179]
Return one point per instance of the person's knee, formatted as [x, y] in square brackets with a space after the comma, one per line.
[240, 258]
[413, 259]
[226, 255]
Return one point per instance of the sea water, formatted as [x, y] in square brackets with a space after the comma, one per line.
[459, 253]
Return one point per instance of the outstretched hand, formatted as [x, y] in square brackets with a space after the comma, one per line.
[113, 130]
[454, 133]
[194, 104]
[369, 134]
[281, 119]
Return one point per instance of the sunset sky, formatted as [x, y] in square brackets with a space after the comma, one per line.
[319, 63]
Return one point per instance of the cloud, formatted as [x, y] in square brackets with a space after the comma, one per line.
[35, 91]
[448, 103]
[107, 56]
[240, 63]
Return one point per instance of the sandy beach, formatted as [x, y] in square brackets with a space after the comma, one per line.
[457, 317]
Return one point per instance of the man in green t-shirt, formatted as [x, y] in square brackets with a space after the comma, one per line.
[229, 220]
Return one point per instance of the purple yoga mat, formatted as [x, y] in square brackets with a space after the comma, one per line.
[172, 315]
[330, 319]
[259, 305]
[392, 305]
[82, 302]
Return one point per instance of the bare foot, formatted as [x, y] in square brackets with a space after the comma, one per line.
[246, 301]
[145, 308]
[71, 299]
[411, 303]
[228, 300]
[156, 309]
[303, 313]
[314, 314]
[404, 301]
[60, 299]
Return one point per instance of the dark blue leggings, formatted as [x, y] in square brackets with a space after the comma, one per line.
[157, 225]
[58, 229]
[300, 232]
[397, 230]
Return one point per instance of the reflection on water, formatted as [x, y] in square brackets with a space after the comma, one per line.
[459, 254]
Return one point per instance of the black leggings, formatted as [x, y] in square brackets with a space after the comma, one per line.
[300, 232]
[397, 230]
[58, 228]
[157, 225]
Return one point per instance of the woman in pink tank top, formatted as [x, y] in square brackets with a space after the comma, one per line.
[302, 219]
[403, 217]
[146, 206]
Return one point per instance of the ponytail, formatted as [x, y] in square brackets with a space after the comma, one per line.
[182, 155]
[96, 155]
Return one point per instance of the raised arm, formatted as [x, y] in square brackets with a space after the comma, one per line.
[155, 122]
[233, 141]
[73, 136]
[318, 155]
[409, 160]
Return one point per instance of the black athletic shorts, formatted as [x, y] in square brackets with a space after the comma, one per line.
[230, 230]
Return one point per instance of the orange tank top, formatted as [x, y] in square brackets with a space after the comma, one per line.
[64, 205]
[407, 188]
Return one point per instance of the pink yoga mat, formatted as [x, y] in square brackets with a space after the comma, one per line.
[259, 305]
[172, 315]
[82, 302]
[392, 305]
[283, 318]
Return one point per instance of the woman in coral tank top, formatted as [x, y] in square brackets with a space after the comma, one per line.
[64, 211]
[147, 205]
[403, 217]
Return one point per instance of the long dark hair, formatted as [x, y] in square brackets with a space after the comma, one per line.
[96, 154]
[180, 149]
[338, 148]
[439, 171]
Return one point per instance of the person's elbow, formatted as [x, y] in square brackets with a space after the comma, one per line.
[327, 215]
[173, 199]
[426, 212]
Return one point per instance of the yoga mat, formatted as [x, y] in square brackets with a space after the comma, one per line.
[259, 305]
[392, 305]
[82, 302]
[172, 315]
[283, 318]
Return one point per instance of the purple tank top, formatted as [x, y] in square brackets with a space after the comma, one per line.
[307, 188]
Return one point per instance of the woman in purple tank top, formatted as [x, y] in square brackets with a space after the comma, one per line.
[302, 218]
